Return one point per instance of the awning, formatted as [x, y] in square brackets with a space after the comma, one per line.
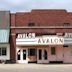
[4, 35]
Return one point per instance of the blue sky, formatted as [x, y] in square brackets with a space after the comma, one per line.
[27, 5]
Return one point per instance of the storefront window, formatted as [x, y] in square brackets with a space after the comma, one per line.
[3, 51]
[31, 52]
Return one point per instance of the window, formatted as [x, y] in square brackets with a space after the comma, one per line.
[3, 51]
[66, 24]
[65, 45]
[31, 52]
[53, 50]
[31, 24]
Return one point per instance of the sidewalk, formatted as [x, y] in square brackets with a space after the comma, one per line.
[35, 67]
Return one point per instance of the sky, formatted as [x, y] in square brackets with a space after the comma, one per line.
[28, 5]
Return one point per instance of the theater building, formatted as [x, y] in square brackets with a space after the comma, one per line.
[39, 36]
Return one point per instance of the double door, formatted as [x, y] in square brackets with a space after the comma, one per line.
[42, 55]
[22, 56]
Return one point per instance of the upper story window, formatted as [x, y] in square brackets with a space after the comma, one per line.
[31, 24]
[66, 24]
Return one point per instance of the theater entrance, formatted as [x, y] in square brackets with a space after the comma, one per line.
[32, 55]
[22, 55]
[26, 55]
[42, 55]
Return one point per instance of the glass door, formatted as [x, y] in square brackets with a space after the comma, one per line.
[22, 56]
[42, 55]
[19, 55]
[45, 55]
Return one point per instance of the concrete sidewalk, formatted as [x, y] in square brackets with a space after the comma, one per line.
[35, 67]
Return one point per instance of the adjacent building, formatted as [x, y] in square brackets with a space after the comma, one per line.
[4, 35]
[39, 36]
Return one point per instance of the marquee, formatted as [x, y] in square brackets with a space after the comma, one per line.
[42, 40]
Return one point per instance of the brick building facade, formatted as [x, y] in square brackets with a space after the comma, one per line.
[41, 36]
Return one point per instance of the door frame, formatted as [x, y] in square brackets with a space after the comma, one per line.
[21, 56]
[42, 60]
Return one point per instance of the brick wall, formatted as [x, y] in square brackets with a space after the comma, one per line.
[40, 18]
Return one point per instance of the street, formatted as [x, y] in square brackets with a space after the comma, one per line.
[35, 67]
